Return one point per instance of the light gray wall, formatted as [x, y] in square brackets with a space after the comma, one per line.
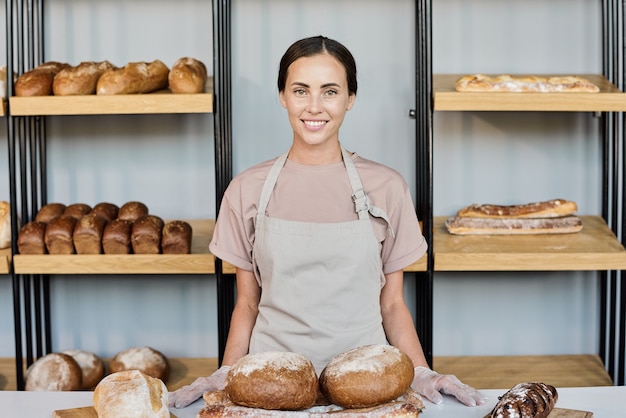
[167, 161]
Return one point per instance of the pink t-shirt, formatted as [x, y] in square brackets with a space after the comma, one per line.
[321, 194]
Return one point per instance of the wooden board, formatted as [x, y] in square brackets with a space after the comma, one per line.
[84, 412]
[569, 413]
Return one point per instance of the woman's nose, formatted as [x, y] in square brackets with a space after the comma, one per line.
[314, 104]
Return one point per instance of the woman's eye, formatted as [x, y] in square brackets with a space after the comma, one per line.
[331, 92]
[299, 92]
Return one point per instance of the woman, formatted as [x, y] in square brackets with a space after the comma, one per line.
[320, 237]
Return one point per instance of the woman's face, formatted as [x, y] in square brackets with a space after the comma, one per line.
[316, 98]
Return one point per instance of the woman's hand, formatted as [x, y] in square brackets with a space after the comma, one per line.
[188, 394]
[431, 384]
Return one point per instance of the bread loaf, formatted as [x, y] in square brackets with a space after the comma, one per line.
[31, 238]
[80, 79]
[5, 224]
[54, 372]
[188, 75]
[116, 237]
[273, 380]
[146, 235]
[91, 366]
[176, 238]
[87, 234]
[526, 400]
[545, 209]
[132, 210]
[534, 84]
[513, 226]
[77, 210]
[131, 394]
[134, 78]
[49, 212]
[58, 236]
[38, 81]
[145, 359]
[106, 210]
[366, 376]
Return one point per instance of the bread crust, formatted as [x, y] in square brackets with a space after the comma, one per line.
[87, 234]
[31, 238]
[132, 210]
[80, 79]
[146, 234]
[91, 366]
[38, 81]
[534, 84]
[59, 235]
[366, 376]
[5, 224]
[54, 372]
[116, 237]
[526, 400]
[176, 238]
[77, 210]
[513, 226]
[49, 212]
[134, 78]
[106, 210]
[145, 359]
[187, 76]
[273, 380]
[545, 209]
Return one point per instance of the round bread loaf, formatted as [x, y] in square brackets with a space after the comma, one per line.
[145, 359]
[273, 380]
[91, 366]
[131, 394]
[54, 372]
[367, 376]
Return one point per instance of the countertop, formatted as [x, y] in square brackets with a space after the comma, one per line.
[604, 402]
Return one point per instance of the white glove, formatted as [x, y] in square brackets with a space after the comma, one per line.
[188, 394]
[429, 384]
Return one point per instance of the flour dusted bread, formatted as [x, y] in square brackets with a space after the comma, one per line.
[544, 209]
[131, 394]
[176, 238]
[91, 366]
[38, 81]
[366, 376]
[188, 75]
[80, 79]
[59, 235]
[526, 400]
[5, 224]
[54, 372]
[145, 359]
[512, 226]
[31, 238]
[531, 84]
[146, 234]
[87, 234]
[273, 380]
[134, 78]
[116, 237]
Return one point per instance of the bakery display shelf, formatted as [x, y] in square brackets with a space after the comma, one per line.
[5, 260]
[608, 99]
[594, 248]
[200, 261]
[127, 104]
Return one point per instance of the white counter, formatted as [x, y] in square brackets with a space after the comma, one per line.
[604, 402]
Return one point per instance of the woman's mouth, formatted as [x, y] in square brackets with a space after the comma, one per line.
[314, 124]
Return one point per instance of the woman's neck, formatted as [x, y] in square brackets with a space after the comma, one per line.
[315, 154]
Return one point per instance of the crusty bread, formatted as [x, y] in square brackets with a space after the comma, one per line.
[116, 237]
[106, 210]
[5, 224]
[545, 209]
[38, 81]
[535, 84]
[513, 226]
[188, 75]
[273, 380]
[49, 212]
[146, 234]
[145, 359]
[77, 210]
[58, 236]
[131, 394]
[31, 238]
[80, 79]
[528, 399]
[366, 376]
[54, 372]
[91, 366]
[132, 210]
[134, 78]
[87, 234]
[176, 238]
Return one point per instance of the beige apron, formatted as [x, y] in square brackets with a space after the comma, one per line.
[320, 282]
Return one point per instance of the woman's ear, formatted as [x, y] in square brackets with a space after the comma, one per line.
[351, 100]
[281, 97]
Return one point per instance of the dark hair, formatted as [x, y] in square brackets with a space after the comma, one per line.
[317, 45]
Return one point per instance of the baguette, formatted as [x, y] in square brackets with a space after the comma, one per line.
[546, 209]
[510, 226]
[188, 75]
[134, 78]
[38, 81]
[534, 84]
[526, 400]
[80, 79]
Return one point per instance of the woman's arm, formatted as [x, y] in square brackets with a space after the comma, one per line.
[243, 318]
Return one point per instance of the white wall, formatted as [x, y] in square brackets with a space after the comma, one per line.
[167, 161]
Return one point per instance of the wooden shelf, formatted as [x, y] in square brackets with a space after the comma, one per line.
[609, 99]
[593, 248]
[200, 261]
[5, 260]
[158, 102]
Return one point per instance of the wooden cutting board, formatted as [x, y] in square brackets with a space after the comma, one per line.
[84, 412]
[569, 413]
